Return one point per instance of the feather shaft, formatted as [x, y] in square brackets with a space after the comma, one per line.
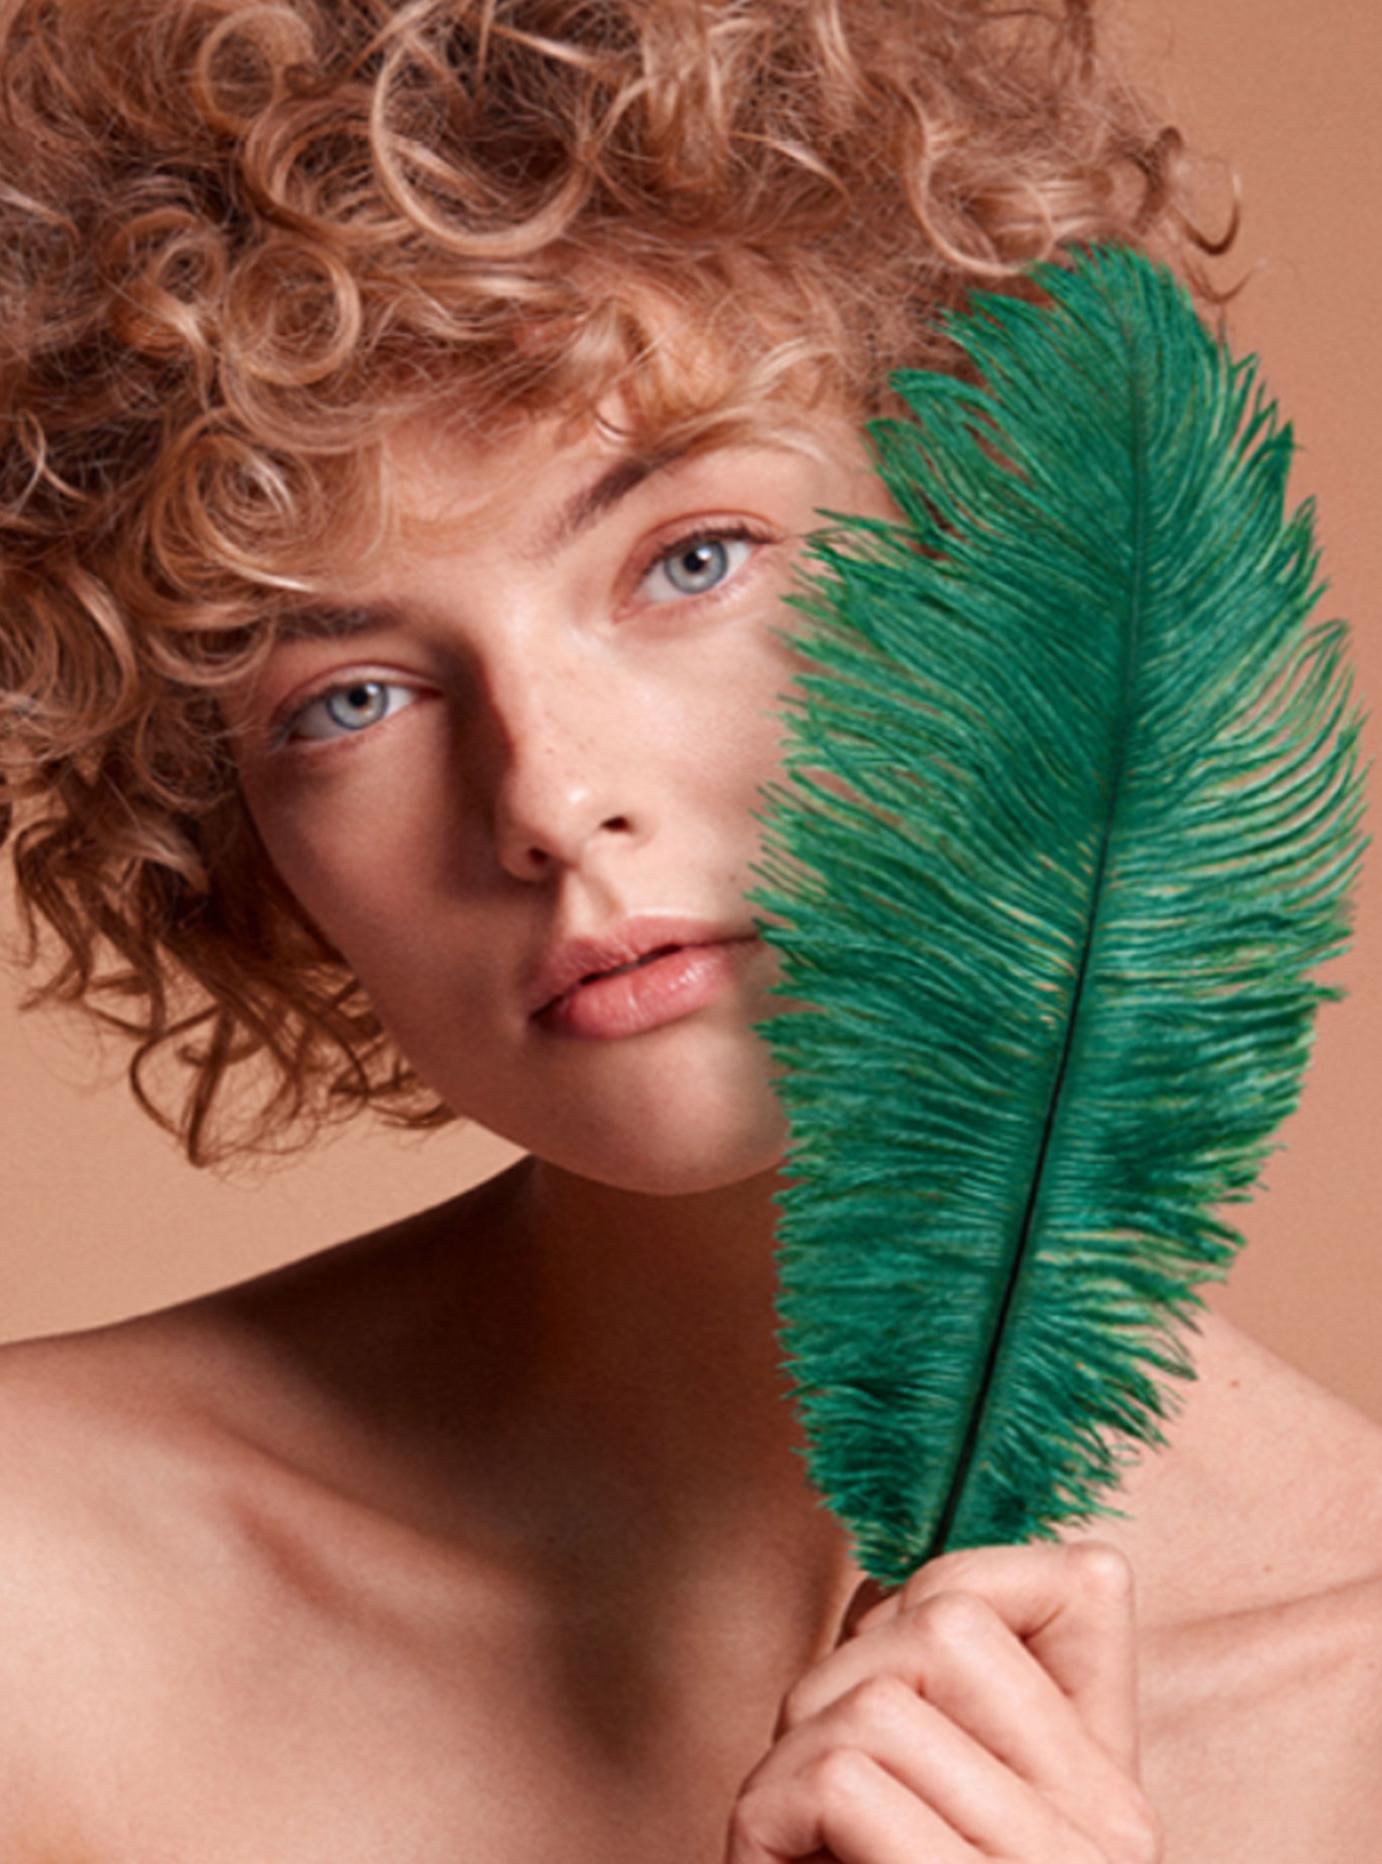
[1070, 807]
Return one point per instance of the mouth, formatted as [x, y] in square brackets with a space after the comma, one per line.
[611, 955]
[618, 970]
[661, 985]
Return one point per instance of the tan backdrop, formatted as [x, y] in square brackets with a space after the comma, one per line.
[101, 1217]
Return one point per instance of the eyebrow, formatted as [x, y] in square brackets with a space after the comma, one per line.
[583, 508]
[333, 621]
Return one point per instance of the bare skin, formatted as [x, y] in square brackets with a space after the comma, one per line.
[430, 1612]
[483, 1537]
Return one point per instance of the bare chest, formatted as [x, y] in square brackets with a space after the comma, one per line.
[412, 1752]
[342, 1742]
[1262, 1735]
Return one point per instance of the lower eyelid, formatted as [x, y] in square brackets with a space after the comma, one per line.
[728, 534]
[283, 733]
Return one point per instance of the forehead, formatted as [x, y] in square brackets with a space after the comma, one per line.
[461, 468]
[544, 483]
[448, 481]
[521, 492]
[457, 469]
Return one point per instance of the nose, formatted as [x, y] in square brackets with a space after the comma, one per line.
[571, 780]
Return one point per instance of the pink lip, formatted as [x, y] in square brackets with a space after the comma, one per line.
[573, 961]
[679, 964]
[661, 990]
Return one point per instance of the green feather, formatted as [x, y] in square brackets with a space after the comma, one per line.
[1070, 806]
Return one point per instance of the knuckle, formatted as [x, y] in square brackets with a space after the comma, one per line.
[950, 1571]
[1100, 1564]
[878, 1706]
[952, 1620]
[839, 1779]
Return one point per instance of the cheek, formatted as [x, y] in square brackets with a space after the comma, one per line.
[359, 860]
[731, 732]
[395, 870]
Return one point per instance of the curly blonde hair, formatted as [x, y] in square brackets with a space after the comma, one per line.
[240, 243]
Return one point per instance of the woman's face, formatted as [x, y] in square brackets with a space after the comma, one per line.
[553, 718]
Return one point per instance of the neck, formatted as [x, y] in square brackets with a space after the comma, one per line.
[658, 1345]
[654, 1381]
[622, 1394]
[656, 1316]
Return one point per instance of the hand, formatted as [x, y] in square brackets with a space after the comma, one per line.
[985, 1710]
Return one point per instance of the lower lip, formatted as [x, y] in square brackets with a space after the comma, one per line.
[661, 992]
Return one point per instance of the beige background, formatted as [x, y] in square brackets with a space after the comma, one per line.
[102, 1218]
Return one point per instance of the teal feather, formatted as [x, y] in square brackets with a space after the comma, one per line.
[1069, 808]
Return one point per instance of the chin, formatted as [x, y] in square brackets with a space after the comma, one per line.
[669, 1176]
[693, 1129]
[679, 1151]
[687, 1110]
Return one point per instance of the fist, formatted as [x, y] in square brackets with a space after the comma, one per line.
[986, 1709]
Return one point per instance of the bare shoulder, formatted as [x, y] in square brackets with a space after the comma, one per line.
[104, 1465]
[68, 1566]
[1263, 1714]
[117, 1543]
[214, 1558]
[194, 1596]
[1262, 1737]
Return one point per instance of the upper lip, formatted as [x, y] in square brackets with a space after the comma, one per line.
[571, 959]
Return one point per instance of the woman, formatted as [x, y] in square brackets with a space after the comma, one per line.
[414, 414]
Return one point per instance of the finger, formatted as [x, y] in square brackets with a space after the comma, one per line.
[955, 1651]
[973, 1794]
[847, 1805]
[868, 1597]
[1075, 1609]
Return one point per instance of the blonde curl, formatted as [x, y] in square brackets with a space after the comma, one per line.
[240, 243]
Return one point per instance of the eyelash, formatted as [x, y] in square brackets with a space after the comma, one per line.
[281, 727]
[704, 534]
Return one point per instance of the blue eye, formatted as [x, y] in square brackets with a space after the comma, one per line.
[346, 710]
[697, 564]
